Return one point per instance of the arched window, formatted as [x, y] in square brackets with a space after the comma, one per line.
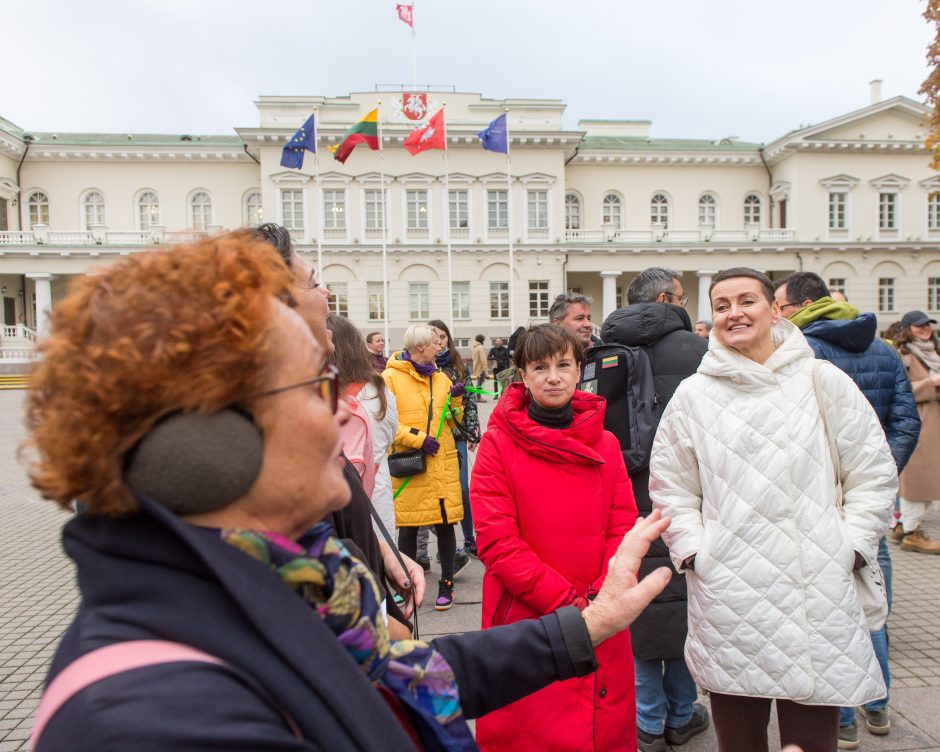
[200, 210]
[253, 209]
[752, 210]
[612, 211]
[659, 210]
[38, 205]
[92, 209]
[572, 212]
[707, 210]
[148, 210]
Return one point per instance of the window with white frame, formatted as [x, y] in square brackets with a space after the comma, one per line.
[837, 284]
[292, 209]
[38, 208]
[537, 210]
[887, 289]
[887, 211]
[375, 209]
[933, 212]
[619, 297]
[4, 221]
[707, 210]
[460, 300]
[253, 212]
[572, 212]
[92, 209]
[416, 209]
[459, 209]
[612, 211]
[752, 210]
[376, 301]
[659, 210]
[334, 209]
[200, 210]
[933, 294]
[339, 299]
[497, 209]
[838, 216]
[538, 298]
[499, 300]
[148, 210]
[462, 343]
[419, 301]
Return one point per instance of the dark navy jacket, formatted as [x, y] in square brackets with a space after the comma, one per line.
[877, 370]
[151, 576]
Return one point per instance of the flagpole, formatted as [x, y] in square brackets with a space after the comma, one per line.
[316, 174]
[450, 268]
[512, 285]
[414, 51]
[385, 300]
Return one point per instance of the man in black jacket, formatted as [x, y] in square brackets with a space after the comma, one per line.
[655, 318]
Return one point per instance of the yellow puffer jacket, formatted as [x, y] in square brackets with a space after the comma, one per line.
[420, 502]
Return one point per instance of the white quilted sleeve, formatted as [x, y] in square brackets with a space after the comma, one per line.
[675, 486]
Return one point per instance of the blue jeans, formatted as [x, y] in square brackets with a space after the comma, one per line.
[665, 694]
[879, 641]
[466, 524]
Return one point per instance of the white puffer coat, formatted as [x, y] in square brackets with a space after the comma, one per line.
[742, 465]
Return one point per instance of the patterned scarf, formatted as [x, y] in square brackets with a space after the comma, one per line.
[342, 590]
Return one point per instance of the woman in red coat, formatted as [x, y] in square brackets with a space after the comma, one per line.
[551, 500]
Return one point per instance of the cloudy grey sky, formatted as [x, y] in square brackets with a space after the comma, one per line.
[748, 68]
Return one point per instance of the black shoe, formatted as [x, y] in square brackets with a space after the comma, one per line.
[461, 562]
[650, 742]
[696, 725]
[471, 549]
[425, 563]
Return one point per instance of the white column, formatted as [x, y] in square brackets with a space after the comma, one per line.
[43, 284]
[609, 303]
[704, 304]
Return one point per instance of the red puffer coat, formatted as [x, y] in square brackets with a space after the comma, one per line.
[550, 508]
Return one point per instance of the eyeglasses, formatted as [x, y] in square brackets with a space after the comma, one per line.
[327, 384]
[788, 305]
[683, 300]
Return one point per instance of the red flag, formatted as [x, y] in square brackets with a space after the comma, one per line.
[406, 14]
[428, 136]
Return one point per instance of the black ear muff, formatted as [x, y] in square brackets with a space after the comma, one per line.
[197, 462]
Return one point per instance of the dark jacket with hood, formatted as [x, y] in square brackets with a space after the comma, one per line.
[675, 352]
[837, 332]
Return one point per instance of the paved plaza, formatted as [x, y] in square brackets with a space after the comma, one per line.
[37, 598]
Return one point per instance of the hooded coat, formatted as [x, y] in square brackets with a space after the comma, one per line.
[436, 490]
[675, 353]
[742, 464]
[550, 507]
[920, 480]
[837, 332]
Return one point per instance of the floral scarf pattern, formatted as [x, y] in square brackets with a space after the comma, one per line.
[342, 590]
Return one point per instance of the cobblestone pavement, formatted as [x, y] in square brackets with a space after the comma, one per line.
[38, 597]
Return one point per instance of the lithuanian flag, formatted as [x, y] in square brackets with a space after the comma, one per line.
[365, 131]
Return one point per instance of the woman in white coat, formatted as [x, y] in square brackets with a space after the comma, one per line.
[742, 464]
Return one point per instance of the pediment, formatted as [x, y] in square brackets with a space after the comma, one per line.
[890, 181]
[416, 177]
[461, 177]
[536, 178]
[891, 125]
[493, 177]
[289, 176]
[335, 177]
[841, 181]
[374, 177]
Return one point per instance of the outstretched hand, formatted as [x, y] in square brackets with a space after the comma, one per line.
[622, 599]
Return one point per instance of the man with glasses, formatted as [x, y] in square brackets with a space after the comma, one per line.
[655, 319]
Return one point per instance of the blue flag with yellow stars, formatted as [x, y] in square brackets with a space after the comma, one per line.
[494, 136]
[304, 139]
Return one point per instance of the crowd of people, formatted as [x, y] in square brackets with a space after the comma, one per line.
[202, 400]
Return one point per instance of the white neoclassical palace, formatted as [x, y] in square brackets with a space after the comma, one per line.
[851, 198]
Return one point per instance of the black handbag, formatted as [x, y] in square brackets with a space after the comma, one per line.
[411, 461]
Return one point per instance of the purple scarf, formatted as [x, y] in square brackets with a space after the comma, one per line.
[423, 369]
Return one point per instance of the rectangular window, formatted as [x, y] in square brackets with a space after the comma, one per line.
[4, 220]
[499, 300]
[334, 210]
[416, 209]
[619, 298]
[933, 294]
[837, 216]
[376, 301]
[497, 210]
[375, 210]
[572, 212]
[886, 295]
[837, 284]
[419, 301]
[292, 209]
[537, 210]
[339, 299]
[538, 299]
[462, 343]
[460, 300]
[888, 211]
[459, 210]
[933, 212]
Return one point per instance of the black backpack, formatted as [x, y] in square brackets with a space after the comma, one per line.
[624, 377]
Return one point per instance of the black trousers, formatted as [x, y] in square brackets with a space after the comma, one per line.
[741, 724]
[446, 546]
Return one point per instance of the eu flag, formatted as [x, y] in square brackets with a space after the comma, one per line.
[305, 139]
[493, 137]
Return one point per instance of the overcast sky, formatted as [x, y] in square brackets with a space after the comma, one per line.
[748, 68]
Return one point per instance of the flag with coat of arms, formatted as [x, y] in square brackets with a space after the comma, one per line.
[429, 136]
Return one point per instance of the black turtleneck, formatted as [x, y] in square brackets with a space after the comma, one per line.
[551, 417]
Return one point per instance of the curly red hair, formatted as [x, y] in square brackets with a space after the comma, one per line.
[184, 328]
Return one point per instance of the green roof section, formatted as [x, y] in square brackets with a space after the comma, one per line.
[633, 143]
[132, 139]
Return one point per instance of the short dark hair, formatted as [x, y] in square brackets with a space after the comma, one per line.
[371, 336]
[744, 271]
[804, 286]
[560, 307]
[542, 342]
[650, 283]
[480, 338]
[278, 236]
